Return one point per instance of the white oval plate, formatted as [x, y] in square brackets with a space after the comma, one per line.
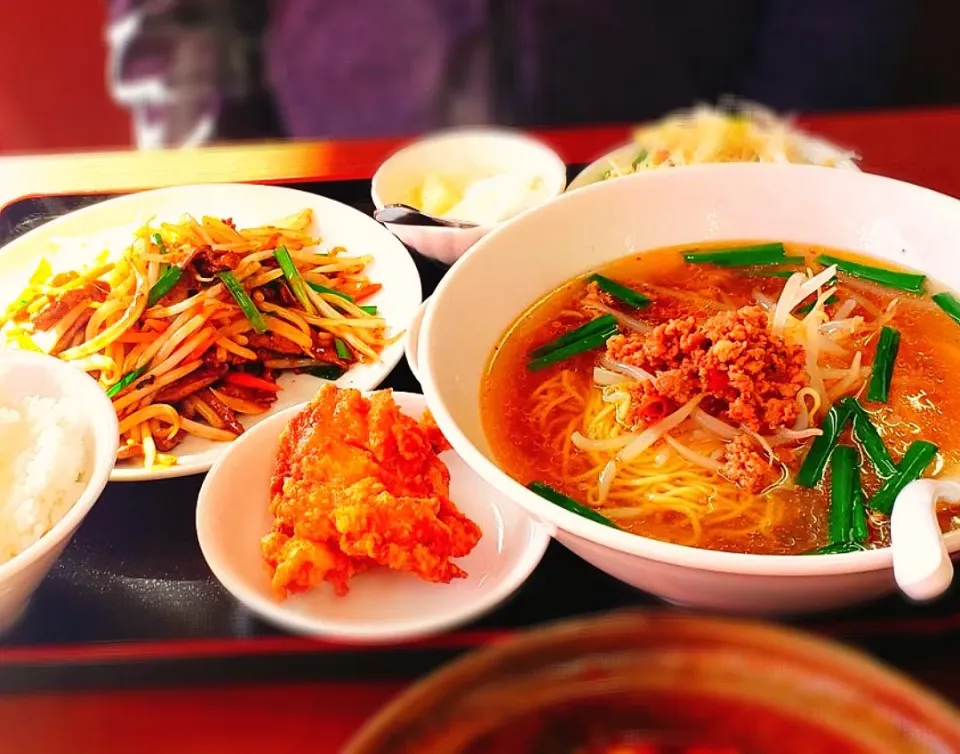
[382, 606]
[85, 233]
[815, 147]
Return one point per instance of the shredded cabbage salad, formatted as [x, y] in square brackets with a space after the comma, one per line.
[703, 134]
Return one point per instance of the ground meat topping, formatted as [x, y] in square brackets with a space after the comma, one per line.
[732, 357]
[747, 466]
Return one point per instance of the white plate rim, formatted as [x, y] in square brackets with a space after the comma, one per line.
[276, 614]
[390, 357]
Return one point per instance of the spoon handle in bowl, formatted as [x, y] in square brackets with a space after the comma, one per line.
[921, 563]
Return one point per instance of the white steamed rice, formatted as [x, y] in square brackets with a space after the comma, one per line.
[43, 461]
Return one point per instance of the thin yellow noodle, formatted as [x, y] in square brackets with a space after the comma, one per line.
[544, 412]
[690, 498]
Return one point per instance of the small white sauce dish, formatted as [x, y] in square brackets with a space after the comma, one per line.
[382, 606]
[468, 154]
[24, 375]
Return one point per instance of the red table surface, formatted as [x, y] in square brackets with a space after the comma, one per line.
[916, 146]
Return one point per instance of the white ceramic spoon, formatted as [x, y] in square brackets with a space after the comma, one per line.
[921, 563]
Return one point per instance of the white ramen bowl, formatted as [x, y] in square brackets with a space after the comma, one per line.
[588, 228]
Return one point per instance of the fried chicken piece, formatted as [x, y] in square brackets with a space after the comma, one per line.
[300, 564]
[357, 483]
[416, 534]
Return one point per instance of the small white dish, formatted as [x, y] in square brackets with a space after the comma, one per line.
[479, 152]
[382, 606]
[25, 374]
[77, 238]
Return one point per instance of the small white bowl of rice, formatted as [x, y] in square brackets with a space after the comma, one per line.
[58, 444]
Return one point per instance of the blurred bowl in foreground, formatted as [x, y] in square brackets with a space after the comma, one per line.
[655, 680]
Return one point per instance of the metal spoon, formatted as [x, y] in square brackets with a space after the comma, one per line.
[404, 214]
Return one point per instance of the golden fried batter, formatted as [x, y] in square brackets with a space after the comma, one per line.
[356, 484]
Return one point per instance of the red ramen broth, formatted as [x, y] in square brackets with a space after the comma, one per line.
[701, 412]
